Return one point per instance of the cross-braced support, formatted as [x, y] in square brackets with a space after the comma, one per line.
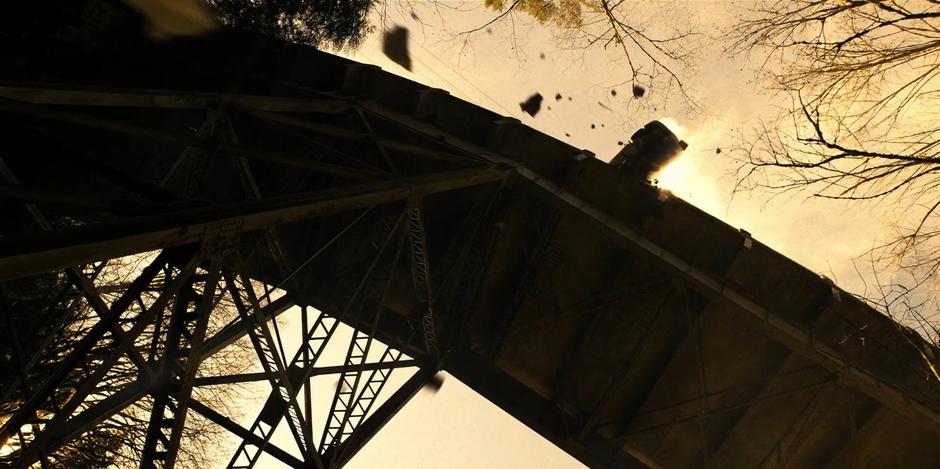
[138, 355]
[177, 368]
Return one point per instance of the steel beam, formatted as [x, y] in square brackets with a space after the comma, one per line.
[761, 317]
[46, 195]
[694, 314]
[138, 131]
[852, 453]
[530, 408]
[76, 277]
[421, 274]
[179, 363]
[63, 297]
[387, 143]
[313, 343]
[163, 99]
[243, 433]
[345, 405]
[699, 408]
[106, 314]
[740, 427]
[378, 145]
[617, 376]
[92, 379]
[534, 256]
[315, 371]
[232, 332]
[796, 433]
[473, 257]
[462, 149]
[79, 353]
[585, 335]
[275, 369]
[54, 436]
[17, 357]
[372, 425]
[42, 252]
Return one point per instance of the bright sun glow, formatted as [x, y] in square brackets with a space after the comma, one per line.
[685, 177]
[676, 175]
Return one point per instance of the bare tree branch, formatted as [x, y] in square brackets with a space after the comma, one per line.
[864, 125]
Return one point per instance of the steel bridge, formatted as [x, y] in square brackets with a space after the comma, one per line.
[621, 323]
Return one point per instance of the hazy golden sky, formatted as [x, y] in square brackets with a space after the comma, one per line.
[455, 428]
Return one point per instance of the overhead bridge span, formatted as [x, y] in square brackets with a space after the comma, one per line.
[618, 321]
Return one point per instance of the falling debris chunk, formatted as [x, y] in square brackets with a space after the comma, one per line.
[549, 108]
[567, 134]
[718, 151]
[569, 98]
[434, 384]
[184, 18]
[532, 105]
[542, 55]
[638, 91]
[592, 126]
[602, 125]
[395, 46]
[557, 96]
[613, 92]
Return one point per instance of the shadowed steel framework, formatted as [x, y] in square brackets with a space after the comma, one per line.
[622, 324]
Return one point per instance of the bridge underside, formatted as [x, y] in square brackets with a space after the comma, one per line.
[621, 323]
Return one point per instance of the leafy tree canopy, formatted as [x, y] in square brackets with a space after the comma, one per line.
[564, 13]
[341, 25]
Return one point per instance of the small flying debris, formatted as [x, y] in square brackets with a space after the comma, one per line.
[532, 105]
[542, 55]
[567, 134]
[638, 91]
[414, 16]
[183, 18]
[718, 151]
[557, 96]
[569, 98]
[620, 143]
[613, 92]
[395, 46]
[489, 31]
[592, 126]
[434, 384]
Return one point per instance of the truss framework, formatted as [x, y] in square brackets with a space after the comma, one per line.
[151, 334]
[209, 249]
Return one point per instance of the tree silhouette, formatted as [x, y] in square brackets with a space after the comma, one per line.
[45, 317]
[341, 25]
[862, 78]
